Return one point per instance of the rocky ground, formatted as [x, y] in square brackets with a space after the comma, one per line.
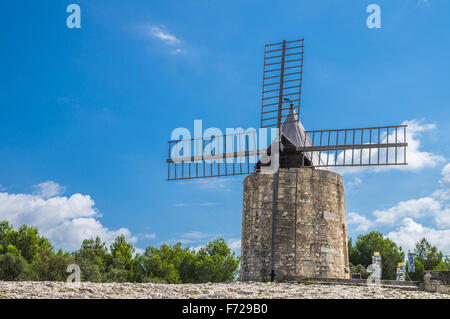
[61, 290]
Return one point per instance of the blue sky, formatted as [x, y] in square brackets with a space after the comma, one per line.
[85, 114]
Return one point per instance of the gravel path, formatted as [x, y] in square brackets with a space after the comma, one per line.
[61, 290]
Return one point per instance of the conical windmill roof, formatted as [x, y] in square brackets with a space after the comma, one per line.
[293, 130]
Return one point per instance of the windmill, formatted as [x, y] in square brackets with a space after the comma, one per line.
[292, 150]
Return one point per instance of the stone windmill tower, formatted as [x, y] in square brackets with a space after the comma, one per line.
[293, 221]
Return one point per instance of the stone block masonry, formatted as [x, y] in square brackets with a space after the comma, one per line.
[311, 231]
[437, 281]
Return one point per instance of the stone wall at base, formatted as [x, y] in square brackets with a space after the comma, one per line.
[437, 281]
[311, 236]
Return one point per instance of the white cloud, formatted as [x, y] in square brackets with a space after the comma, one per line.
[416, 208]
[411, 232]
[362, 223]
[444, 192]
[434, 208]
[65, 221]
[160, 33]
[70, 234]
[165, 36]
[442, 218]
[356, 182]
[415, 157]
[445, 180]
[234, 244]
[49, 189]
[139, 251]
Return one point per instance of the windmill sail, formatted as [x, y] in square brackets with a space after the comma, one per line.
[238, 154]
[282, 79]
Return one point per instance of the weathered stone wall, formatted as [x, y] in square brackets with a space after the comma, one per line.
[311, 236]
[437, 281]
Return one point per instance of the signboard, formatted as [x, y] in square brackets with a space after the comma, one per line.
[355, 276]
[401, 272]
[376, 265]
[411, 265]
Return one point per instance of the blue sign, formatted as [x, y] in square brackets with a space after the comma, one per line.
[411, 265]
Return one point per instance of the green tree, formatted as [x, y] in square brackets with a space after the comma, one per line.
[174, 264]
[5, 249]
[121, 265]
[440, 266]
[49, 266]
[122, 250]
[93, 258]
[367, 244]
[117, 272]
[359, 269]
[5, 233]
[28, 241]
[216, 262]
[160, 265]
[428, 254]
[351, 250]
[25, 255]
[14, 267]
[188, 267]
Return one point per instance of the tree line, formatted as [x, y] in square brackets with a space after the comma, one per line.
[26, 255]
[427, 256]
